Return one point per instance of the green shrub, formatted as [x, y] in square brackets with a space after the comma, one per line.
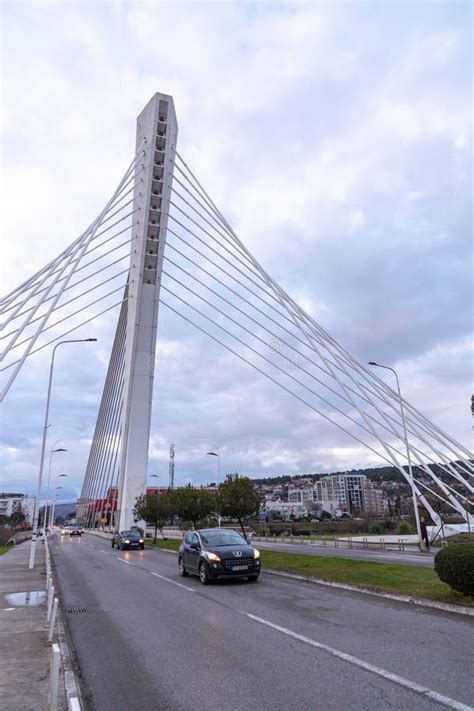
[375, 528]
[454, 565]
[404, 529]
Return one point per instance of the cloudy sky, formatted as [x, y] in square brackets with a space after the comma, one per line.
[336, 137]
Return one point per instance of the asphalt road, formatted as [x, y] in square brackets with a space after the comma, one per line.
[151, 640]
[407, 557]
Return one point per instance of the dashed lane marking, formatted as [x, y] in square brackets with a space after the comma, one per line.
[173, 582]
[401, 681]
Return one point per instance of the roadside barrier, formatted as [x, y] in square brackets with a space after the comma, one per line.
[50, 602]
[53, 620]
[366, 542]
[54, 678]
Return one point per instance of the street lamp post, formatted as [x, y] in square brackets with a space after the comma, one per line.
[31, 563]
[54, 502]
[405, 436]
[218, 455]
[58, 476]
[51, 452]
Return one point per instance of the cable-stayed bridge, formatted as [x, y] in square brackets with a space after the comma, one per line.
[160, 241]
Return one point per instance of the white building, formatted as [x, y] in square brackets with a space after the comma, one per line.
[10, 503]
[285, 509]
[300, 495]
[350, 492]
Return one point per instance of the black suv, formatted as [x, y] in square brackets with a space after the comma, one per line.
[215, 553]
[128, 539]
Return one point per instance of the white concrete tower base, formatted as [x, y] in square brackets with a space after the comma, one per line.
[156, 125]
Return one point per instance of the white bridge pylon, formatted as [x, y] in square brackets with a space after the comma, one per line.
[209, 278]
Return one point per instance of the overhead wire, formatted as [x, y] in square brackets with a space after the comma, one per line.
[368, 375]
[337, 364]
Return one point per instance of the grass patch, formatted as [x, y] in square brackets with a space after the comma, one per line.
[172, 544]
[386, 577]
[4, 549]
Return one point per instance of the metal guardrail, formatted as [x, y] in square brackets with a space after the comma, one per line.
[381, 543]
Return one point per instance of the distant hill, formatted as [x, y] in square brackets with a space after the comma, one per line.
[375, 474]
[63, 510]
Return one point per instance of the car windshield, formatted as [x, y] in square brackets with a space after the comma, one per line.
[221, 537]
[130, 534]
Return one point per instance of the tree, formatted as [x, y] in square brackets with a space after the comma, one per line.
[154, 509]
[238, 498]
[17, 519]
[192, 504]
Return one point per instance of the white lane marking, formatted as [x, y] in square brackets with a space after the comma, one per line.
[129, 562]
[99, 550]
[9, 609]
[401, 681]
[168, 580]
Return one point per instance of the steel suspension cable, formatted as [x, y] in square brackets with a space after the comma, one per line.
[298, 309]
[269, 377]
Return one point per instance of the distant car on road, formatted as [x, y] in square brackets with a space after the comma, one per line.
[74, 531]
[215, 553]
[65, 530]
[128, 539]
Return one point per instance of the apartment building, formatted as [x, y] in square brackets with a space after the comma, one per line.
[11, 503]
[300, 495]
[350, 492]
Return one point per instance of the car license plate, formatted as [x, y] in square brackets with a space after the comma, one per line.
[240, 567]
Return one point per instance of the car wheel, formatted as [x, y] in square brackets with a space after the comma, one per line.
[203, 574]
[113, 543]
[252, 578]
[182, 570]
[142, 547]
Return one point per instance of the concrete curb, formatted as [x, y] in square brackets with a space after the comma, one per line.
[421, 602]
[71, 685]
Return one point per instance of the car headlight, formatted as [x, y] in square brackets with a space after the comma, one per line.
[211, 556]
[256, 553]
[126, 541]
[141, 540]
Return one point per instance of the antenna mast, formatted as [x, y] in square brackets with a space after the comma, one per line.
[171, 485]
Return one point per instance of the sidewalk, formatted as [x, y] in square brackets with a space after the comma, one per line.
[26, 653]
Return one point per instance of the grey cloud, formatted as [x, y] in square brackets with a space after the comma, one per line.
[339, 148]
